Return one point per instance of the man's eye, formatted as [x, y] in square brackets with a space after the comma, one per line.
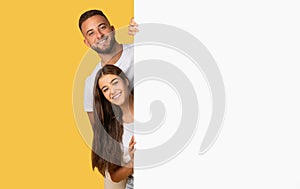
[91, 33]
[103, 27]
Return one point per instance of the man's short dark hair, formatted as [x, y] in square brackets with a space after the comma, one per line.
[89, 14]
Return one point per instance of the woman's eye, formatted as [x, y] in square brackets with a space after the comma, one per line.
[115, 82]
[104, 90]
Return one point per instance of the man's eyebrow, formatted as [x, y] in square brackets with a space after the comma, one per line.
[92, 29]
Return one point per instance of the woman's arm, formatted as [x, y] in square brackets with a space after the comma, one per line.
[122, 172]
[127, 170]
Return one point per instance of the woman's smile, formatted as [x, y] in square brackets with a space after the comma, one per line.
[116, 96]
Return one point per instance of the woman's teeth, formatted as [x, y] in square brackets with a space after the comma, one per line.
[116, 96]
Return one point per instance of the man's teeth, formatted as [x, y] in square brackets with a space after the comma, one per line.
[102, 41]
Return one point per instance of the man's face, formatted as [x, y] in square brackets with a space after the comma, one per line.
[98, 34]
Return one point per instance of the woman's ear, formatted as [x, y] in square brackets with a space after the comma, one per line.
[127, 82]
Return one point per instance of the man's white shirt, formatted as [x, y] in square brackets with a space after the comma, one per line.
[125, 63]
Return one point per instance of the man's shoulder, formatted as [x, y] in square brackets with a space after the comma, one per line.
[126, 57]
[90, 79]
[128, 47]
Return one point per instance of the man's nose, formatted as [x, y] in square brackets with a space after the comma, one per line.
[99, 34]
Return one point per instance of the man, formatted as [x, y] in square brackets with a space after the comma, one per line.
[99, 35]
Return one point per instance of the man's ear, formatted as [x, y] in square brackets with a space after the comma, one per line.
[86, 43]
[112, 28]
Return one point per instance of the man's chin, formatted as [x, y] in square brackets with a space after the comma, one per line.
[102, 50]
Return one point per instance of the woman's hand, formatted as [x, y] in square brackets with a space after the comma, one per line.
[131, 149]
[133, 27]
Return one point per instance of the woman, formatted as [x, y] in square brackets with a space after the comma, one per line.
[113, 128]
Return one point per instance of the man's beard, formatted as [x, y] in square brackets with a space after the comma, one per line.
[108, 49]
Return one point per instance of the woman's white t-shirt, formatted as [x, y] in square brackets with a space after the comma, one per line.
[127, 134]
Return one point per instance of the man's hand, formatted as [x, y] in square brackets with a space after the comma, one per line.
[133, 27]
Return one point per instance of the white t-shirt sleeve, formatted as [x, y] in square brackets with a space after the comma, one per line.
[88, 95]
[127, 134]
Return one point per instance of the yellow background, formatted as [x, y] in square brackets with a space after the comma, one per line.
[41, 50]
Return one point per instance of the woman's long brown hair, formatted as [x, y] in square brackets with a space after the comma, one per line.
[107, 128]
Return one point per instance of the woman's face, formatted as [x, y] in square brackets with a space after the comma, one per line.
[114, 88]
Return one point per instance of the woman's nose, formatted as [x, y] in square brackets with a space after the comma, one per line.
[112, 90]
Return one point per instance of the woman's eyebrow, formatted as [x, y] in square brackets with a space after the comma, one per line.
[113, 80]
[109, 82]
